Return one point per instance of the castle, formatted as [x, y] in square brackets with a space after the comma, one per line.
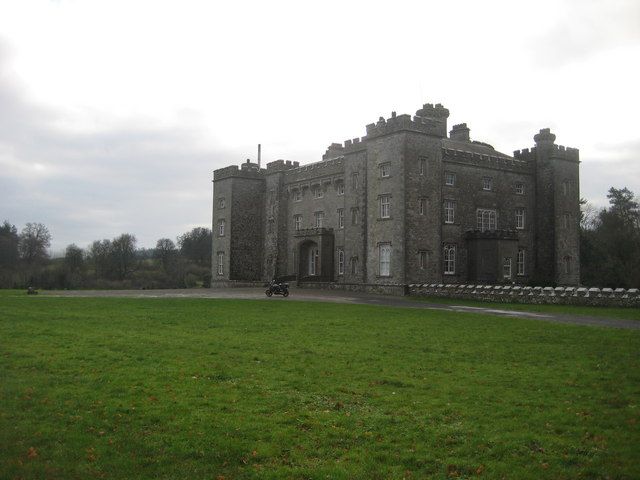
[405, 204]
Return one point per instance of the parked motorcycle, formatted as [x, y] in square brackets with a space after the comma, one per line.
[277, 288]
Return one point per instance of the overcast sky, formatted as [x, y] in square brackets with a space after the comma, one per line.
[113, 115]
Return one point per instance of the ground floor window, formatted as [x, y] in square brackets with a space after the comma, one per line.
[422, 259]
[384, 256]
[486, 219]
[520, 261]
[340, 261]
[314, 260]
[506, 267]
[567, 265]
[220, 263]
[449, 259]
[354, 265]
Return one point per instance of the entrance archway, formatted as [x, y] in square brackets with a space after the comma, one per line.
[309, 260]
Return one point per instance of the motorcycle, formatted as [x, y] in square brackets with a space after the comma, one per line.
[276, 288]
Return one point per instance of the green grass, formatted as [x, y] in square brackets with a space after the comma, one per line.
[624, 313]
[201, 388]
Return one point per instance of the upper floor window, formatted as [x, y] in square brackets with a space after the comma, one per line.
[340, 188]
[423, 166]
[385, 170]
[220, 263]
[318, 192]
[384, 256]
[520, 188]
[449, 259]
[449, 211]
[520, 261]
[487, 183]
[450, 179]
[297, 222]
[340, 261]
[565, 188]
[385, 206]
[355, 213]
[520, 216]
[297, 195]
[319, 217]
[341, 218]
[354, 180]
[422, 206]
[221, 224]
[221, 202]
[486, 219]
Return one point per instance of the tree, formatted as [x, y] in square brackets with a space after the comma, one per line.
[122, 255]
[74, 259]
[624, 207]
[196, 246]
[99, 254]
[33, 243]
[9, 240]
[166, 252]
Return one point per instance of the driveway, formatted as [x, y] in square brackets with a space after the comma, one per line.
[337, 296]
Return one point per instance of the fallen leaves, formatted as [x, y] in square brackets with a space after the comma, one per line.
[32, 453]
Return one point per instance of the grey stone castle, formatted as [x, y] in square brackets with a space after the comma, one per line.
[404, 204]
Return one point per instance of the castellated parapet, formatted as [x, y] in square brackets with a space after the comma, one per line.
[403, 204]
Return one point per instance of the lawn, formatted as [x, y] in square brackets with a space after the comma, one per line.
[225, 389]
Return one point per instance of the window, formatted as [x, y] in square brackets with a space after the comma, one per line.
[340, 261]
[314, 261]
[506, 268]
[450, 179]
[319, 216]
[449, 211]
[487, 183]
[567, 265]
[385, 169]
[297, 222]
[354, 180]
[221, 202]
[422, 209]
[340, 188]
[520, 218]
[423, 166]
[318, 192]
[422, 259]
[520, 261]
[354, 265]
[220, 263]
[384, 256]
[355, 213]
[486, 219]
[341, 218]
[385, 206]
[566, 221]
[221, 224]
[297, 196]
[565, 188]
[520, 188]
[449, 259]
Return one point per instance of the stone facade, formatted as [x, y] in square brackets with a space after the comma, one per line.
[404, 204]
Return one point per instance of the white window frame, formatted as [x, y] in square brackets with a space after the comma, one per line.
[340, 188]
[297, 222]
[314, 257]
[221, 225]
[385, 170]
[341, 218]
[520, 189]
[449, 211]
[520, 265]
[220, 263]
[450, 179]
[318, 192]
[423, 166]
[520, 218]
[385, 206]
[319, 219]
[506, 268]
[449, 259]
[486, 219]
[487, 184]
[422, 206]
[340, 261]
[384, 259]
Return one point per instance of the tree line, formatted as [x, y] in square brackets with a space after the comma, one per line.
[108, 263]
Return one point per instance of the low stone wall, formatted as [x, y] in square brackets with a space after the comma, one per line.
[236, 284]
[605, 297]
[397, 289]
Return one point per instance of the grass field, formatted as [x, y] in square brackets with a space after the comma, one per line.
[223, 389]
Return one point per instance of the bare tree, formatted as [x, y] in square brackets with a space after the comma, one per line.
[123, 255]
[166, 252]
[33, 243]
[74, 259]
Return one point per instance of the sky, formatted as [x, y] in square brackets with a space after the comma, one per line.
[113, 115]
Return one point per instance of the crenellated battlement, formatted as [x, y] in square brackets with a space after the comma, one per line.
[281, 165]
[486, 161]
[565, 153]
[313, 170]
[246, 170]
[545, 142]
[526, 154]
